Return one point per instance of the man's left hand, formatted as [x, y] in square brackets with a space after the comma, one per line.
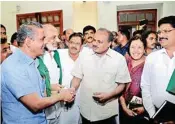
[101, 96]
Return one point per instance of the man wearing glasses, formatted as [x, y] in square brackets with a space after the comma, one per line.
[159, 67]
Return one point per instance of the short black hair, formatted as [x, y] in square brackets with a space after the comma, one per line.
[146, 34]
[167, 20]
[3, 40]
[87, 28]
[2, 26]
[14, 37]
[125, 32]
[136, 37]
[77, 35]
[138, 32]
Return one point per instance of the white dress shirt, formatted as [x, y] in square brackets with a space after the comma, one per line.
[99, 74]
[68, 115]
[50, 63]
[156, 74]
[53, 111]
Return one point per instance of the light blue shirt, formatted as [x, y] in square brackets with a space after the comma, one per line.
[20, 77]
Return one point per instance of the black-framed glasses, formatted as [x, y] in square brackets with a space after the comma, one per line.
[165, 31]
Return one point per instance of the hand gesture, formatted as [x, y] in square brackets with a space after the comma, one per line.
[129, 112]
[67, 95]
[56, 87]
[138, 110]
[101, 96]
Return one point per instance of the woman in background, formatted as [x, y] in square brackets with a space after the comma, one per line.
[135, 61]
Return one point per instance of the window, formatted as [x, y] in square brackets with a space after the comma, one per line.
[53, 17]
[130, 18]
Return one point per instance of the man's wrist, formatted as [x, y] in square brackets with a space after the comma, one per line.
[60, 97]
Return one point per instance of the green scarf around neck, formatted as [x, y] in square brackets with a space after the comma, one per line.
[45, 73]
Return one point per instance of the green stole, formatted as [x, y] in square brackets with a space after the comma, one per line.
[171, 85]
[58, 62]
[45, 73]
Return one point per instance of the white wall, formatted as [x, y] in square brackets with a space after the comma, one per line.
[9, 12]
[84, 13]
[107, 11]
[169, 8]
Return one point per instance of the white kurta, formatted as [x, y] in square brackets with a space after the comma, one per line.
[71, 115]
[53, 112]
[99, 74]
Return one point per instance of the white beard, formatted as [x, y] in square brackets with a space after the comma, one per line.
[50, 47]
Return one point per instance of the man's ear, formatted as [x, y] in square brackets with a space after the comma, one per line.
[27, 42]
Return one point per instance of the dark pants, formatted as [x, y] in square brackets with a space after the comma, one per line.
[110, 120]
[139, 119]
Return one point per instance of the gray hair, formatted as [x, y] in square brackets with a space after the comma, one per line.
[26, 30]
[110, 35]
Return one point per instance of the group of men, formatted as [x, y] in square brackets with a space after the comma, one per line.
[41, 84]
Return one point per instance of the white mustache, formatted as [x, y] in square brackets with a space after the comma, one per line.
[51, 47]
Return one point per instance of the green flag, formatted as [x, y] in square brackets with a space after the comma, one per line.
[171, 85]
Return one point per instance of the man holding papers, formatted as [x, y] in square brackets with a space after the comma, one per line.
[159, 67]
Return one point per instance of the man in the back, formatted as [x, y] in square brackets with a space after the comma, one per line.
[5, 49]
[88, 33]
[3, 33]
[123, 37]
[68, 32]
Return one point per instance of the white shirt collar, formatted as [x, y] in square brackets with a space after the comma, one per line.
[163, 51]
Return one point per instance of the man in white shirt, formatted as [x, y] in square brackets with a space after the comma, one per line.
[70, 113]
[103, 74]
[51, 39]
[158, 68]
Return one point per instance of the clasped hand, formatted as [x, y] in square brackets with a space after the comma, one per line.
[68, 94]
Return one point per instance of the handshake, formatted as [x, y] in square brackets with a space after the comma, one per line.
[67, 95]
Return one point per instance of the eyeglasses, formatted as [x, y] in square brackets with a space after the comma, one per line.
[165, 31]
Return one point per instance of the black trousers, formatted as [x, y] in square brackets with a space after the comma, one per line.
[110, 120]
[125, 119]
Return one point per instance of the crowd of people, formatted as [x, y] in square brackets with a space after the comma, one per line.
[89, 77]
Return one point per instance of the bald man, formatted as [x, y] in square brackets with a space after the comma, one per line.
[51, 40]
[69, 31]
